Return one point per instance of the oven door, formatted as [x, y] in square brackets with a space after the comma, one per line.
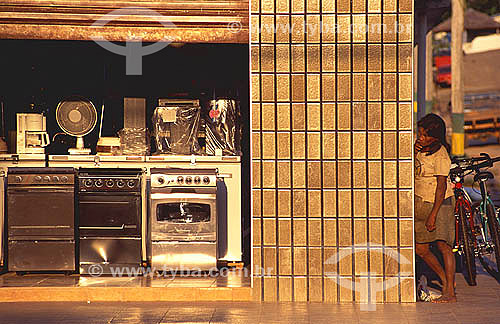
[41, 211]
[183, 217]
[110, 215]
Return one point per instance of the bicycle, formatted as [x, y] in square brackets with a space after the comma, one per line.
[477, 224]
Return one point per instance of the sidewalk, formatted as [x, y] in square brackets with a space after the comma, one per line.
[480, 304]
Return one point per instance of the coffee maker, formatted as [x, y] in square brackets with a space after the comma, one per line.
[32, 137]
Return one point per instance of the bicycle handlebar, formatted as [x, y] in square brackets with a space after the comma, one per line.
[474, 164]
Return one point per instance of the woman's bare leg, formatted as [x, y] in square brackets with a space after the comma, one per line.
[422, 249]
[449, 266]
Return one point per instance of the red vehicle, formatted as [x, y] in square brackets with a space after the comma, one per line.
[442, 62]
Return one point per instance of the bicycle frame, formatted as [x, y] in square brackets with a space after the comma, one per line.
[462, 200]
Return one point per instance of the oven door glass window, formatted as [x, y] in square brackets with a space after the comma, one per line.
[183, 213]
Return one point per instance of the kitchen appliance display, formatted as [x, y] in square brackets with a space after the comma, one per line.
[41, 219]
[109, 202]
[32, 136]
[183, 212]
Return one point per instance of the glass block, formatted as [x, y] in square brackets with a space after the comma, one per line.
[256, 174]
[268, 174]
[314, 234]
[405, 174]
[315, 286]
[284, 145]
[255, 6]
[285, 261]
[329, 203]
[359, 174]
[314, 146]
[283, 116]
[256, 229]
[298, 87]
[255, 58]
[313, 23]
[376, 260]
[268, 87]
[359, 86]
[359, 28]
[254, 21]
[282, 58]
[299, 145]
[256, 203]
[344, 224]
[329, 112]
[345, 210]
[300, 287]
[315, 261]
[359, 145]
[405, 203]
[328, 88]
[406, 232]
[390, 174]
[284, 203]
[331, 263]
[374, 87]
[268, 145]
[257, 260]
[390, 203]
[269, 203]
[298, 116]
[328, 145]
[390, 5]
[329, 174]
[344, 58]
[359, 116]
[267, 6]
[282, 6]
[255, 116]
[391, 232]
[298, 58]
[361, 266]
[298, 6]
[299, 203]
[328, 58]
[343, 28]
[344, 177]
[374, 28]
[297, 28]
[313, 86]
[375, 232]
[284, 177]
[374, 58]
[390, 145]
[313, 58]
[358, 6]
[329, 32]
[405, 28]
[270, 289]
[344, 116]
[405, 57]
[405, 116]
[390, 30]
[408, 290]
[257, 289]
[374, 116]
[282, 34]
[330, 232]
[268, 111]
[359, 210]
[344, 145]
[313, 116]
[374, 145]
[285, 232]
[283, 87]
[314, 203]
[267, 32]
[269, 229]
[374, 6]
[330, 290]
[256, 154]
[343, 6]
[328, 6]
[255, 87]
[314, 175]
[390, 57]
[390, 117]
[389, 81]
[374, 174]
[358, 58]
[405, 86]
[298, 174]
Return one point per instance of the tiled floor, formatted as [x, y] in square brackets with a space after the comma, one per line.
[231, 278]
[480, 304]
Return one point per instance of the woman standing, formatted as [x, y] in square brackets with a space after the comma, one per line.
[434, 201]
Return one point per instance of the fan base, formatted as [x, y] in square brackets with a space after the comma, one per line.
[79, 151]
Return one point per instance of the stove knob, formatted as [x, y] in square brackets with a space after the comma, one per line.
[38, 179]
[110, 183]
[46, 179]
[88, 183]
[206, 180]
[64, 179]
[189, 180]
[55, 178]
[99, 183]
[180, 180]
[197, 180]
[161, 181]
[131, 183]
[18, 179]
[120, 183]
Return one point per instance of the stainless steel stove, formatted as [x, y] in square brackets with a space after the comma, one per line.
[183, 218]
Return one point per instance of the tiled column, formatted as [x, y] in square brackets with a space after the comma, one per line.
[332, 160]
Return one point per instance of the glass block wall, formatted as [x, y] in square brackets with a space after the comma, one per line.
[332, 150]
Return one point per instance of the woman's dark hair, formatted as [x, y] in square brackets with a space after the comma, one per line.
[435, 127]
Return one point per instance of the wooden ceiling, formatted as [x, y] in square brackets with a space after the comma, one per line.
[187, 21]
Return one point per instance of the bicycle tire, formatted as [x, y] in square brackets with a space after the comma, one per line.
[468, 247]
[494, 228]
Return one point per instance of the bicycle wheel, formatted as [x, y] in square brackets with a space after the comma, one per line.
[467, 239]
[493, 226]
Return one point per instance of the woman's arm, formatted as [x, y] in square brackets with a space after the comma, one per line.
[430, 224]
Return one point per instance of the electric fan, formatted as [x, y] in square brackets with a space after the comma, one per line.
[77, 117]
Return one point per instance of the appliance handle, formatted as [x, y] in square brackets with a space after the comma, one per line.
[104, 202]
[103, 227]
[41, 190]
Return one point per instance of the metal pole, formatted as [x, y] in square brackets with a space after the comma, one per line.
[457, 83]
[422, 35]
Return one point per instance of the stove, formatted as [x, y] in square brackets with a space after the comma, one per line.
[183, 218]
[110, 212]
